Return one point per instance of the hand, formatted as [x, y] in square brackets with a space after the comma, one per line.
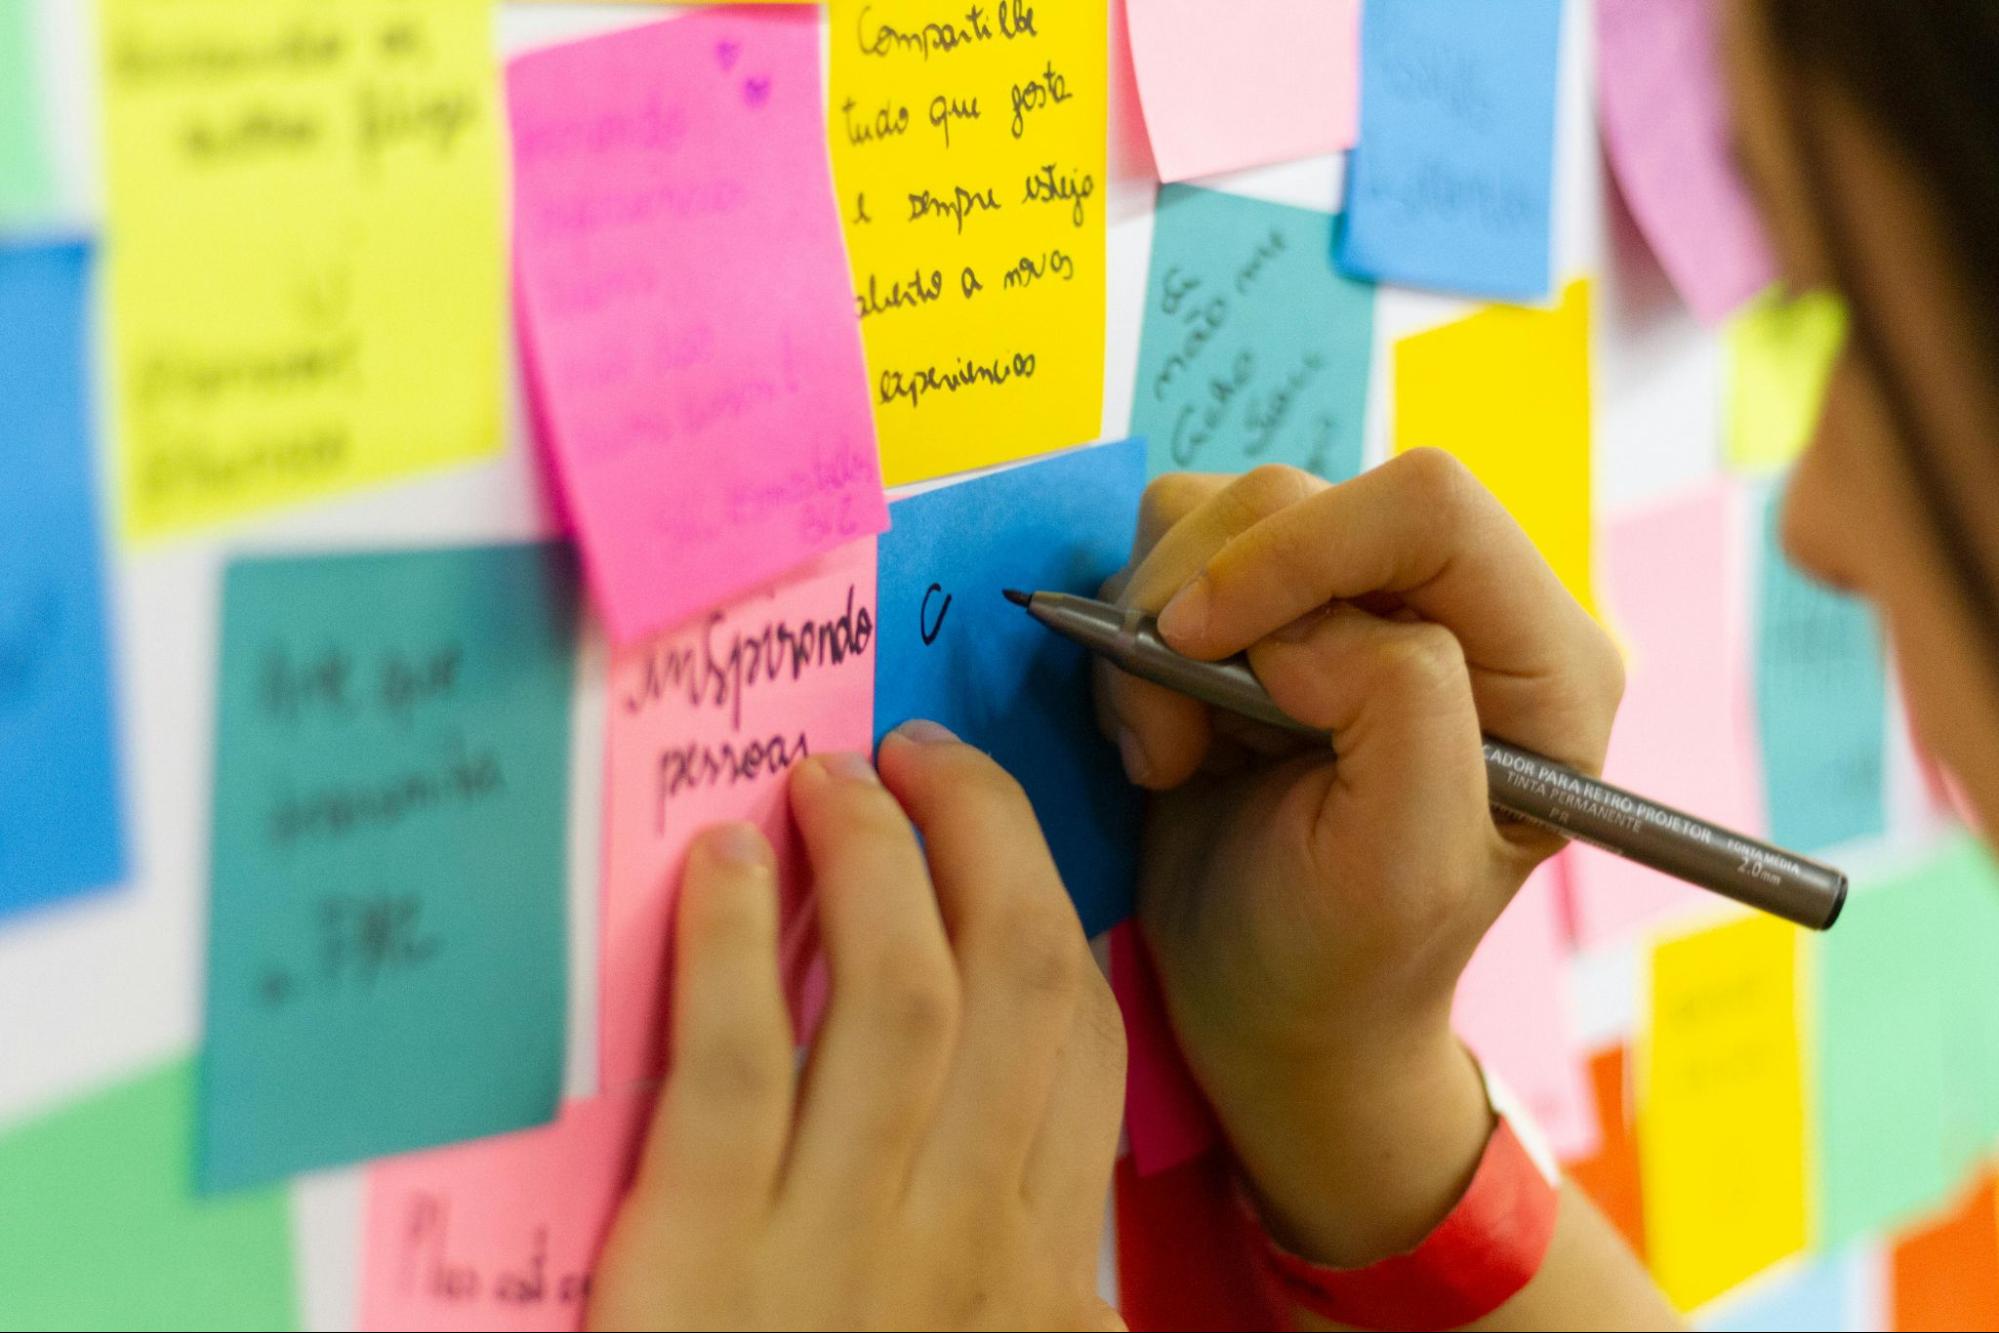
[1310, 918]
[944, 1160]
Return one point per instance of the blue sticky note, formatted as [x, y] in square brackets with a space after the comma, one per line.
[1451, 184]
[387, 953]
[1817, 1295]
[60, 826]
[951, 649]
[1822, 706]
[1255, 349]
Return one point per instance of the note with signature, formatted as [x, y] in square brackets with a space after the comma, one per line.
[61, 830]
[1254, 349]
[1452, 178]
[684, 302]
[1237, 85]
[705, 724]
[969, 150]
[954, 651]
[306, 261]
[502, 1233]
[386, 963]
[26, 175]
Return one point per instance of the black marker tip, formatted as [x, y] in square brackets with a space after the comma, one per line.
[1016, 596]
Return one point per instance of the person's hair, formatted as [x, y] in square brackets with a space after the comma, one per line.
[1925, 75]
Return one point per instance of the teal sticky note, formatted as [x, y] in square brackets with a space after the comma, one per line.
[26, 184]
[100, 1225]
[386, 964]
[1883, 1072]
[1254, 349]
[1822, 705]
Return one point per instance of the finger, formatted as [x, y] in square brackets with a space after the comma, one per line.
[1422, 528]
[1068, 1173]
[1022, 956]
[892, 1016]
[724, 1117]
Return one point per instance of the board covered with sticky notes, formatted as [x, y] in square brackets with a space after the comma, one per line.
[452, 452]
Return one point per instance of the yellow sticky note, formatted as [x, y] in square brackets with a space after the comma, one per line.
[1780, 358]
[1721, 1120]
[307, 271]
[969, 160]
[1507, 391]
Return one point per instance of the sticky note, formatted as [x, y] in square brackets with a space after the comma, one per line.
[1184, 1259]
[1507, 391]
[954, 651]
[104, 1229]
[1721, 1109]
[1254, 349]
[703, 726]
[503, 1233]
[26, 177]
[1166, 1116]
[1675, 576]
[61, 832]
[306, 265]
[386, 954]
[1238, 85]
[1941, 1275]
[1512, 1010]
[1780, 355]
[969, 150]
[1961, 883]
[1666, 130]
[685, 300]
[1452, 179]
[1818, 1294]
[1821, 702]
[1609, 1175]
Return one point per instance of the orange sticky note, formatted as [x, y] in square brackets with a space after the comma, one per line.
[1946, 1275]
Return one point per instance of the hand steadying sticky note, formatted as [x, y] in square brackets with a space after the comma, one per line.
[1452, 179]
[704, 725]
[1254, 349]
[386, 961]
[60, 828]
[684, 302]
[953, 651]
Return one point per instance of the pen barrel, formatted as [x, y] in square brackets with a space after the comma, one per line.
[1753, 873]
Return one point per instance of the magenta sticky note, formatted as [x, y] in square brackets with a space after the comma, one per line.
[1675, 586]
[1666, 128]
[1166, 1118]
[1227, 86]
[1512, 1010]
[500, 1233]
[704, 725]
[686, 307]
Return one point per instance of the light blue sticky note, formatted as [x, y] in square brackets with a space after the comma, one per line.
[386, 963]
[60, 827]
[952, 650]
[1822, 706]
[1451, 184]
[1822, 1295]
[1254, 349]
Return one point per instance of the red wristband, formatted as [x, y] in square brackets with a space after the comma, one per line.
[1485, 1250]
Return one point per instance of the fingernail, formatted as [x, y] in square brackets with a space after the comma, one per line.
[925, 732]
[1136, 766]
[848, 767]
[738, 844]
[1187, 614]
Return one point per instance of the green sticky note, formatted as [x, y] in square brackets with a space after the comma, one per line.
[386, 965]
[1780, 358]
[100, 1226]
[1883, 1066]
[1964, 886]
[25, 182]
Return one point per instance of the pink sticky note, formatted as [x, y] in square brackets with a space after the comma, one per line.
[1512, 1010]
[499, 1233]
[1166, 1119]
[686, 307]
[1226, 86]
[704, 724]
[1665, 126]
[1674, 585]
